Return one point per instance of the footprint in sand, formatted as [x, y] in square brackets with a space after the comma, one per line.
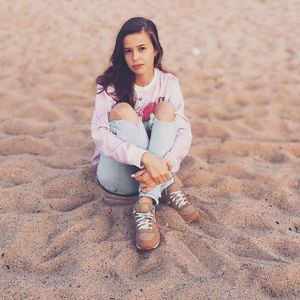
[60, 241]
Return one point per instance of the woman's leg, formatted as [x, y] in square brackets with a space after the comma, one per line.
[163, 133]
[125, 124]
[112, 175]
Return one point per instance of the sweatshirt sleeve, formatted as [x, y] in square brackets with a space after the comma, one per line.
[183, 138]
[105, 141]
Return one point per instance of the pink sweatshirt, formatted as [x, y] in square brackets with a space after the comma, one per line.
[163, 87]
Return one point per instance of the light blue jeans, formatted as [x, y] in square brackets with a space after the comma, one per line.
[156, 136]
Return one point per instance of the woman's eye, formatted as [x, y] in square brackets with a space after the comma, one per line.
[142, 48]
[126, 51]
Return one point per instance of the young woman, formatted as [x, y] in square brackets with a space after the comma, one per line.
[140, 131]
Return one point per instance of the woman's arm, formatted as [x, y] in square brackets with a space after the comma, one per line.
[182, 142]
[183, 138]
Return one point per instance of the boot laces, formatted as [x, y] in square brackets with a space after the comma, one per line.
[143, 220]
[178, 198]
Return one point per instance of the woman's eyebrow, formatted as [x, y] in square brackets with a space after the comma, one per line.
[136, 46]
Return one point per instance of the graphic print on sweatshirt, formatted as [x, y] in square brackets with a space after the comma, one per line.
[145, 111]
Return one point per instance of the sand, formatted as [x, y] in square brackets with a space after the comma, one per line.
[62, 237]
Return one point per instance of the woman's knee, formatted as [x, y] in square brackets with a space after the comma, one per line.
[165, 111]
[123, 111]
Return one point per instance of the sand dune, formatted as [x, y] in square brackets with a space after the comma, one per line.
[62, 237]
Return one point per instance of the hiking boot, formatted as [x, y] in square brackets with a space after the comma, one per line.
[147, 235]
[178, 200]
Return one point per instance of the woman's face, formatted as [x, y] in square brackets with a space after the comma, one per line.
[139, 53]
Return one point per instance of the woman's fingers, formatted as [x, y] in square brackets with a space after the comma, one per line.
[144, 179]
[149, 182]
[146, 188]
[159, 178]
[138, 173]
[157, 167]
[145, 185]
[162, 179]
[169, 164]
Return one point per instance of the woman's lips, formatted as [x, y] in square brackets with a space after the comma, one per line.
[137, 66]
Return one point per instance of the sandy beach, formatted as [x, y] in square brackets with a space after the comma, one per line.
[62, 237]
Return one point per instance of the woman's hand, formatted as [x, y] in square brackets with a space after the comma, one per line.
[158, 168]
[146, 181]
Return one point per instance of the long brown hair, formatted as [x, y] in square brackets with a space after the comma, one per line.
[118, 75]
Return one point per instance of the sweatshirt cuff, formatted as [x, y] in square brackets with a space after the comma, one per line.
[135, 156]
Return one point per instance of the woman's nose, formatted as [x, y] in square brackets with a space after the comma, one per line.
[136, 55]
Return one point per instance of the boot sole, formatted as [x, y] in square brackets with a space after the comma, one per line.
[195, 219]
[147, 248]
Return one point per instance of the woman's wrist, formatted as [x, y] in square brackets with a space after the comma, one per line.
[145, 158]
[171, 163]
